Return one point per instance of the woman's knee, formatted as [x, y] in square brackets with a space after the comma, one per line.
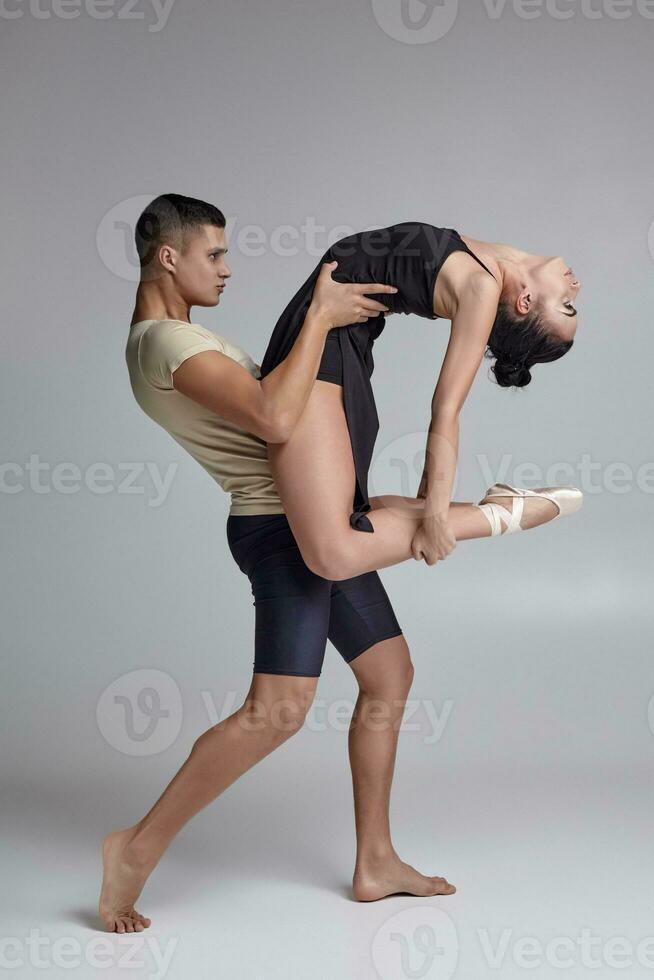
[332, 557]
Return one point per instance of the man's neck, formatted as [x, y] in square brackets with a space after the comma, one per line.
[152, 303]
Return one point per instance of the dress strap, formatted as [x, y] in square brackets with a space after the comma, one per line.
[470, 252]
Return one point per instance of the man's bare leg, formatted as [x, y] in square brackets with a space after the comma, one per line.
[314, 474]
[274, 709]
[384, 673]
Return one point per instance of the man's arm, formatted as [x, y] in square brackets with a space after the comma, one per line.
[271, 407]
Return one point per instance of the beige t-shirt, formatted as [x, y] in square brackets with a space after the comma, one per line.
[236, 459]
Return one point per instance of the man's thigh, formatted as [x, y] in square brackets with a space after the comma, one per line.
[361, 616]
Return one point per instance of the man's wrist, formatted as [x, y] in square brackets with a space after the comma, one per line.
[318, 318]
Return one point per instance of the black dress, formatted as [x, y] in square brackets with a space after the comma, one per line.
[408, 256]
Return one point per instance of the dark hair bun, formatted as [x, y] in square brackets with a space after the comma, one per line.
[508, 374]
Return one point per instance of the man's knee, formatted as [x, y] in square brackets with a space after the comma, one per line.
[408, 675]
[287, 716]
[392, 678]
[279, 704]
[394, 683]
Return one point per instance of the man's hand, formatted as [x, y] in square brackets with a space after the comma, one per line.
[433, 540]
[343, 303]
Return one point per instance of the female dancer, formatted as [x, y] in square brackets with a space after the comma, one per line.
[502, 302]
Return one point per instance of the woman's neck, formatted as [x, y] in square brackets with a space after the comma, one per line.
[506, 260]
[497, 251]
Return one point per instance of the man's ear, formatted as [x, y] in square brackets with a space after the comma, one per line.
[524, 301]
[168, 258]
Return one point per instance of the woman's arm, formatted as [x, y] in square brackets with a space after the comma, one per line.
[471, 326]
[271, 407]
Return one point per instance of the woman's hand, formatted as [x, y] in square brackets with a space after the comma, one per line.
[433, 540]
[342, 303]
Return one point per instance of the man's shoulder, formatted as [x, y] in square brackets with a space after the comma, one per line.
[158, 333]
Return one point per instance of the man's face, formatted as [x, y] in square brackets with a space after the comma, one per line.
[201, 271]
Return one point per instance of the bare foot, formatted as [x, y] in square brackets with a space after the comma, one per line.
[391, 876]
[536, 510]
[122, 883]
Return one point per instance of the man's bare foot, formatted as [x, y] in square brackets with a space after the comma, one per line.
[122, 883]
[390, 876]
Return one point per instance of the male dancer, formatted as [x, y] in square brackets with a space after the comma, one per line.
[207, 393]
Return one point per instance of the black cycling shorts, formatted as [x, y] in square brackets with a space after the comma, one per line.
[296, 611]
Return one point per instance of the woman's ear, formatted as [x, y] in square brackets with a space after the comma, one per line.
[524, 301]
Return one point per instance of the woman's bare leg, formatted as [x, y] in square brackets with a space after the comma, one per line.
[315, 477]
[384, 673]
[274, 708]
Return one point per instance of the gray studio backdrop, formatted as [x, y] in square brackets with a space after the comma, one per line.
[127, 627]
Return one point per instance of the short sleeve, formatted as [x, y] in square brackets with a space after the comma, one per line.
[168, 343]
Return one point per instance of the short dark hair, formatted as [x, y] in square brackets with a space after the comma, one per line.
[519, 343]
[170, 218]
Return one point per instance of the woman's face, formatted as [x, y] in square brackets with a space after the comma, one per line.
[555, 289]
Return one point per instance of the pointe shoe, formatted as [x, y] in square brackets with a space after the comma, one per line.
[567, 500]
